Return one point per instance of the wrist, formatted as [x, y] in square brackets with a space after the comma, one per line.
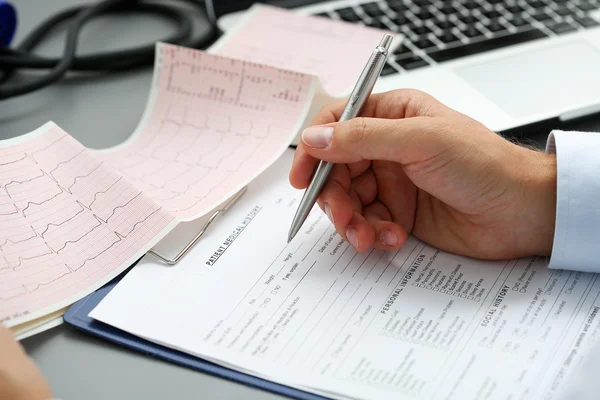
[537, 180]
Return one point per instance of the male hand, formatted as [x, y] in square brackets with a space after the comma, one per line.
[414, 166]
[20, 379]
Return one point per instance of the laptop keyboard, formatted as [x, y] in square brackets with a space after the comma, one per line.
[437, 31]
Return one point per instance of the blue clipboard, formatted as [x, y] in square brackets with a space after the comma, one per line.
[77, 317]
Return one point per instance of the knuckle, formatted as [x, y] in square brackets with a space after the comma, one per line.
[325, 115]
[326, 109]
[419, 103]
[357, 130]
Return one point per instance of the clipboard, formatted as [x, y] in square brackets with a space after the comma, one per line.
[77, 317]
[49, 321]
[228, 204]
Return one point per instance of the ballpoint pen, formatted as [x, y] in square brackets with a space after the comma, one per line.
[358, 97]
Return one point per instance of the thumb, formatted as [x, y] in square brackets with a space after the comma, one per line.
[368, 139]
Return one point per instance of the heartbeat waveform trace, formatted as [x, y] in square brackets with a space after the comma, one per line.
[71, 217]
[65, 219]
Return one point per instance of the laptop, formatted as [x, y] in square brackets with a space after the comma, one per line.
[506, 63]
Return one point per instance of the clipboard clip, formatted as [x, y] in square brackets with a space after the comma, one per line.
[183, 252]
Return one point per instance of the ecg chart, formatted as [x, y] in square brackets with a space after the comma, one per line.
[67, 221]
[216, 123]
[72, 218]
[334, 51]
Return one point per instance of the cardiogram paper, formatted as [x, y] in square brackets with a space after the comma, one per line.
[71, 218]
[335, 51]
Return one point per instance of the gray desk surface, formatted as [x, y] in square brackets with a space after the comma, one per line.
[101, 111]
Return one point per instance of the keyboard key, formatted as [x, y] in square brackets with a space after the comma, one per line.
[447, 37]
[561, 27]
[518, 21]
[445, 25]
[421, 29]
[491, 14]
[412, 63]
[402, 51]
[375, 23]
[397, 6]
[448, 9]
[400, 20]
[471, 32]
[563, 11]
[423, 43]
[422, 3]
[495, 26]
[348, 14]
[388, 70]
[471, 4]
[424, 15]
[345, 11]
[586, 6]
[586, 22]
[469, 19]
[372, 10]
[514, 8]
[486, 45]
[322, 15]
[536, 4]
[541, 16]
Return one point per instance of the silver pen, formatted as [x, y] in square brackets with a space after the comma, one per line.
[361, 92]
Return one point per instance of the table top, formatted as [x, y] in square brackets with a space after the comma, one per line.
[101, 111]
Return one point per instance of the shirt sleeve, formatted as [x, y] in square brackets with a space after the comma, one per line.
[576, 243]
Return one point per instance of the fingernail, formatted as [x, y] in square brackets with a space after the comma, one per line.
[352, 237]
[318, 137]
[389, 238]
[328, 212]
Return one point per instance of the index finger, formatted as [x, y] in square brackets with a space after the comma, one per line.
[304, 164]
[396, 104]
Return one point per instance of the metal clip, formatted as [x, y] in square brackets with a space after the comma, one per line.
[191, 244]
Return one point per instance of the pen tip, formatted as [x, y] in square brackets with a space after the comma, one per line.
[293, 230]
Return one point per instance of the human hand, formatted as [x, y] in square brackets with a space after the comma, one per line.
[20, 379]
[414, 166]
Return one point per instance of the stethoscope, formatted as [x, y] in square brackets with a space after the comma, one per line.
[22, 57]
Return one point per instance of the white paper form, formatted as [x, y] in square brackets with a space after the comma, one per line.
[414, 324]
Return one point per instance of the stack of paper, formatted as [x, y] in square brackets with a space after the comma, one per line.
[72, 218]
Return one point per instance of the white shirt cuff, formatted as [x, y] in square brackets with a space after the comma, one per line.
[577, 229]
